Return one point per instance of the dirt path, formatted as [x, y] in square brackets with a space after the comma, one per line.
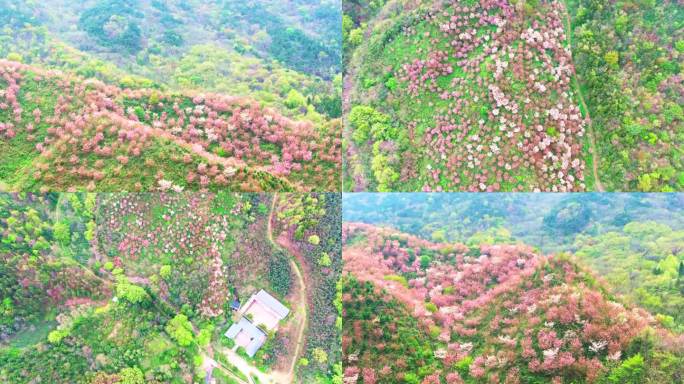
[299, 313]
[575, 77]
[246, 368]
[209, 364]
[58, 210]
[288, 377]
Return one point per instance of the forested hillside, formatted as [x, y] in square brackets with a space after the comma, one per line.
[417, 311]
[549, 221]
[629, 58]
[138, 288]
[633, 241]
[580, 95]
[279, 63]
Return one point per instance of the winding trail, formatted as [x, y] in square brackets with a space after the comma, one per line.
[575, 77]
[299, 318]
[302, 311]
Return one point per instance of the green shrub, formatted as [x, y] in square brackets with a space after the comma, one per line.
[631, 371]
[314, 240]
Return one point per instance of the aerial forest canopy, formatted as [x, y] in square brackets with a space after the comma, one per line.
[142, 287]
[121, 95]
[529, 95]
[432, 296]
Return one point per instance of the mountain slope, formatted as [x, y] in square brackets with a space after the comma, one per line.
[478, 94]
[517, 95]
[214, 46]
[497, 313]
[63, 132]
[263, 59]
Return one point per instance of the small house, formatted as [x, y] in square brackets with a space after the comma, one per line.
[264, 311]
[246, 335]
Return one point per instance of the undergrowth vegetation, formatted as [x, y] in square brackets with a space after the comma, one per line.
[105, 288]
[513, 96]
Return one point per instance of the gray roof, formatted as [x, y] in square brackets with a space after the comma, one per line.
[256, 335]
[273, 303]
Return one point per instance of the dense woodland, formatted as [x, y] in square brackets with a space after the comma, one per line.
[634, 241]
[513, 95]
[547, 220]
[134, 288]
[629, 58]
[158, 61]
[312, 228]
[418, 311]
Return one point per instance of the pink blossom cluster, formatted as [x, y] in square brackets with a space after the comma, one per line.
[9, 99]
[511, 109]
[227, 136]
[544, 314]
[187, 229]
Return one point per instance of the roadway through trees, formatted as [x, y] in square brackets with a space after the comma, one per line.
[590, 125]
[300, 319]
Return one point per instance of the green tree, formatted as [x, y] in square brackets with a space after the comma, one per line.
[439, 236]
[89, 204]
[180, 329]
[383, 171]
[679, 46]
[6, 311]
[411, 378]
[314, 239]
[612, 58]
[355, 37]
[431, 307]
[295, 99]
[347, 25]
[62, 233]
[90, 231]
[645, 183]
[425, 261]
[130, 292]
[131, 376]
[204, 336]
[680, 277]
[631, 371]
[13, 56]
[165, 271]
[154, 98]
[364, 119]
[621, 24]
[56, 336]
[325, 261]
[320, 355]
[392, 83]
